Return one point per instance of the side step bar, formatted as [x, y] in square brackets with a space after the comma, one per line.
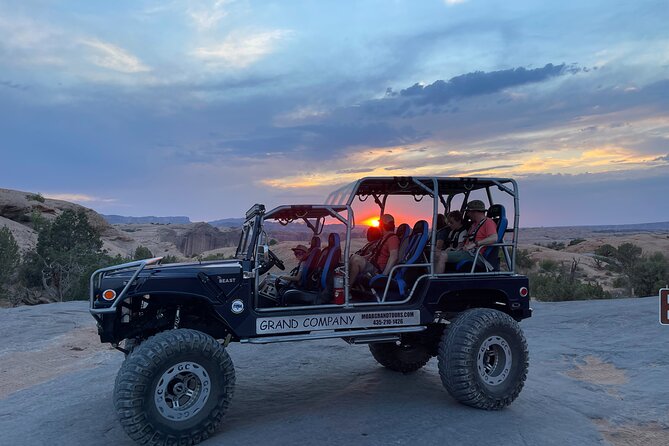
[358, 335]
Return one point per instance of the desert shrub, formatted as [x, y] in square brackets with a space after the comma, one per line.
[142, 252]
[219, 256]
[558, 246]
[576, 241]
[523, 260]
[649, 274]
[548, 266]
[9, 258]
[273, 242]
[640, 275]
[628, 254]
[35, 197]
[559, 282]
[558, 287]
[170, 259]
[68, 250]
[606, 250]
[620, 282]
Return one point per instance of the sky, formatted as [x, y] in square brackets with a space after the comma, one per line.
[202, 108]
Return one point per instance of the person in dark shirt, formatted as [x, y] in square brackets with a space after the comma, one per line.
[300, 252]
[454, 235]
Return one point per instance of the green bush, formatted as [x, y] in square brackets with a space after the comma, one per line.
[9, 258]
[273, 242]
[576, 241]
[558, 246]
[640, 275]
[35, 197]
[649, 274]
[548, 266]
[620, 282]
[169, 259]
[553, 288]
[142, 252]
[523, 260]
[68, 250]
[215, 257]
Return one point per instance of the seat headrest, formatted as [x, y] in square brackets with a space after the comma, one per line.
[333, 239]
[403, 231]
[315, 242]
[496, 211]
[373, 234]
[420, 227]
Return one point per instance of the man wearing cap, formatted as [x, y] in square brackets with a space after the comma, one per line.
[300, 252]
[483, 232]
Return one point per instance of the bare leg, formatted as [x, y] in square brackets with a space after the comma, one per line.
[440, 266]
[356, 263]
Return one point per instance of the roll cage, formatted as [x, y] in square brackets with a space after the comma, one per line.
[338, 204]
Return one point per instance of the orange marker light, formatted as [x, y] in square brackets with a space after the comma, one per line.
[109, 295]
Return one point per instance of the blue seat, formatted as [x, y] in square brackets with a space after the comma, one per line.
[329, 260]
[496, 213]
[323, 277]
[403, 232]
[415, 245]
[310, 262]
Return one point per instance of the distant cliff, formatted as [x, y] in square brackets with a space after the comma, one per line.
[123, 220]
[198, 238]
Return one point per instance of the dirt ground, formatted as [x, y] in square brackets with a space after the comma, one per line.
[598, 376]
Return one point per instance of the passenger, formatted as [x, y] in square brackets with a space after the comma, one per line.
[382, 259]
[300, 252]
[454, 237]
[442, 231]
[483, 232]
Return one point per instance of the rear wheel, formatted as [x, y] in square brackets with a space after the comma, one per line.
[174, 388]
[483, 359]
[400, 356]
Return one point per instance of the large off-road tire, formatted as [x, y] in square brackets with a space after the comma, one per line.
[483, 359]
[174, 388]
[401, 357]
[129, 345]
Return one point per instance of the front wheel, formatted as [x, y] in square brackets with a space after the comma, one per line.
[483, 359]
[174, 388]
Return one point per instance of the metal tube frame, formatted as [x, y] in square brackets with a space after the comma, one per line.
[335, 198]
[349, 223]
[99, 275]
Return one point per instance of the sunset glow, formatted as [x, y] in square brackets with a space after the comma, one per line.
[373, 221]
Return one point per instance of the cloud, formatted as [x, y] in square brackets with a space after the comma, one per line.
[13, 85]
[107, 55]
[79, 198]
[478, 83]
[454, 2]
[361, 170]
[240, 51]
[206, 15]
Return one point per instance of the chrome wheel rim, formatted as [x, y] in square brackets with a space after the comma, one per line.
[182, 391]
[494, 360]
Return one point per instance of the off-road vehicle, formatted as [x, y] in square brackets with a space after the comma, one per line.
[175, 321]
